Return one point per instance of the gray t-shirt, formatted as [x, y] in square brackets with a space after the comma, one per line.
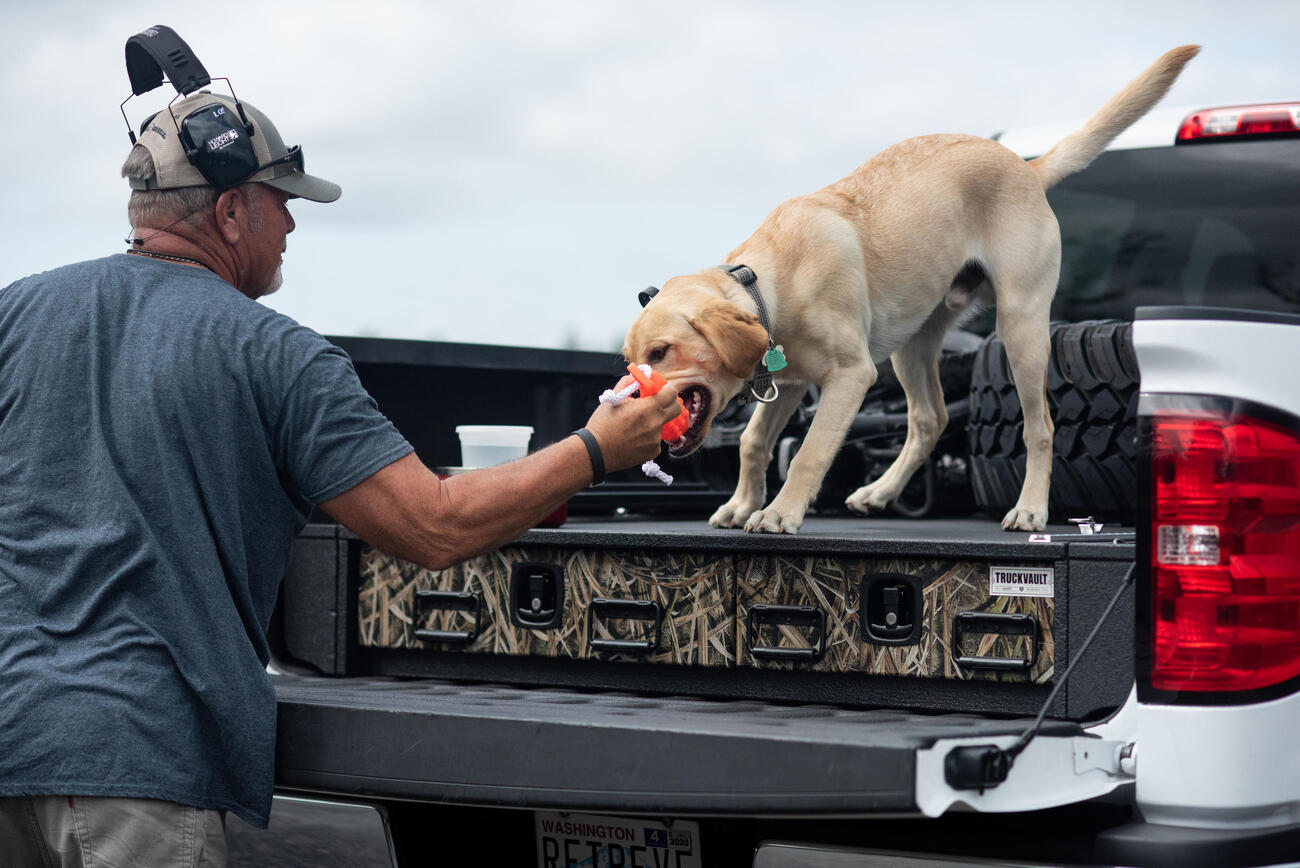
[162, 440]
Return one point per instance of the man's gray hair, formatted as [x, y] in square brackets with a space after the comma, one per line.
[160, 208]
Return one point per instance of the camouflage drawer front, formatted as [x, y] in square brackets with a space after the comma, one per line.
[619, 605]
[397, 601]
[920, 618]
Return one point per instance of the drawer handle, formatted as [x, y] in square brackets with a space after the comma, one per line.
[766, 614]
[1003, 624]
[606, 609]
[448, 601]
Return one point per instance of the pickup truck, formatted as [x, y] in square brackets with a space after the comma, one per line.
[629, 687]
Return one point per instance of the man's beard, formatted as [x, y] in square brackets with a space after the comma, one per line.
[255, 220]
[277, 280]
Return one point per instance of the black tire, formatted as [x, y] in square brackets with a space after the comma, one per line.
[1092, 391]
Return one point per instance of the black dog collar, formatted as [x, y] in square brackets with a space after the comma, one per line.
[760, 382]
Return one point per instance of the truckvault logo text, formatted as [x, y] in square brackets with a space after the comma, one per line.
[1022, 581]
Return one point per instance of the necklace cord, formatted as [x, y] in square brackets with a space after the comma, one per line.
[137, 251]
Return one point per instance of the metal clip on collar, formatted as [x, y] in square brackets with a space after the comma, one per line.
[774, 391]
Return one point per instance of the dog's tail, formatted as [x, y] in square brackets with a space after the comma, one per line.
[1080, 148]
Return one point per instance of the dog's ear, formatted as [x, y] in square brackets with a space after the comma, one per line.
[738, 337]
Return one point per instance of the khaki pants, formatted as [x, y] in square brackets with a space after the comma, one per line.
[92, 832]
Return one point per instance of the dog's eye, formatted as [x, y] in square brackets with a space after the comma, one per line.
[657, 355]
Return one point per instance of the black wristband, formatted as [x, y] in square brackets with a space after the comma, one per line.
[594, 453]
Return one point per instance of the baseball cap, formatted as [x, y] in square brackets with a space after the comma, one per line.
[278, 166]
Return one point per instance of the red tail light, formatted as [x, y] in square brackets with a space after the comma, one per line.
[1241, 120]
[1225, 552]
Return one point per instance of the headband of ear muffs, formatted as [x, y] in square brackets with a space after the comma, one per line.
[160, 50]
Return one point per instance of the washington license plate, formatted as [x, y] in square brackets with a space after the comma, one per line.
[594, 841]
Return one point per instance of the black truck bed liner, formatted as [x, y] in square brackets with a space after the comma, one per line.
[549, 748]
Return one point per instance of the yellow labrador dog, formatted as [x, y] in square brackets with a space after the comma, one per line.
[876, 266]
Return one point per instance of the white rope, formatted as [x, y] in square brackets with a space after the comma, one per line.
[652, 470]
[609, 396]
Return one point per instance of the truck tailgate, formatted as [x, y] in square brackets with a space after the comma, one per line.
[564, 749]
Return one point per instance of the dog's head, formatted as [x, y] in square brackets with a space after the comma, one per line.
[695, 337]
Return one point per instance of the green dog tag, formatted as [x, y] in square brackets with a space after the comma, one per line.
[775, 359]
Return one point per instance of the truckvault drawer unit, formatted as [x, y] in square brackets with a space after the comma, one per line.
[853, 611]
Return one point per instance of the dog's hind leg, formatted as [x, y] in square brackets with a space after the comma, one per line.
[756, 444]
[916, 364]
[843, 389]
[1026, 333]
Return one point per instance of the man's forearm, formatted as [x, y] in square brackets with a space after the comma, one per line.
[492, 506]
[407, 511]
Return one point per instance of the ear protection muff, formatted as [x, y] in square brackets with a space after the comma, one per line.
[218, 142]
[646, 294]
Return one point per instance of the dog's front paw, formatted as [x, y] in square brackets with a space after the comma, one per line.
[869, 498]
[771, 520]
[733, 513]
[1021, 518]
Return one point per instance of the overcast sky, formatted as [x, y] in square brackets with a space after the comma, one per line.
[514, 172]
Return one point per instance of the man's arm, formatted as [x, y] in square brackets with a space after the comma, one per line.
[407, 511]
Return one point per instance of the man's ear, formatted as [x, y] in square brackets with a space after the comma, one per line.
[230, 213]
[738, 337]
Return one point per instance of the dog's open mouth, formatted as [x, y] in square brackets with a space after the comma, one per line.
[697, 401]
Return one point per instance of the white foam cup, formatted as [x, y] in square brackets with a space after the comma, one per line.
[486, 445]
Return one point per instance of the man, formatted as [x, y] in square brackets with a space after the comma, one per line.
[162, 439]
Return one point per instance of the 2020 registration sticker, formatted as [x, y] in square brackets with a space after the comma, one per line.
[593, 841]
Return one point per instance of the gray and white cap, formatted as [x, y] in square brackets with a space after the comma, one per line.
[281, 166]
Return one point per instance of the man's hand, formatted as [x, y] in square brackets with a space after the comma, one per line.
[629, 432]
